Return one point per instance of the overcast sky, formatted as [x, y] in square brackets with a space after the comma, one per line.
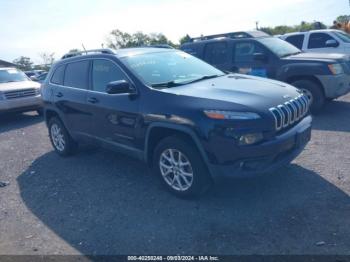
[29, 27]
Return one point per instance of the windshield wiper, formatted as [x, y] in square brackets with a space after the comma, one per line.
[291, 54]
[173, 83]
[167, 84]
[203, 78]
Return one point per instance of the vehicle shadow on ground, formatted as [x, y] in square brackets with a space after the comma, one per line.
[9, 122]
[105, 203]
[331, 115]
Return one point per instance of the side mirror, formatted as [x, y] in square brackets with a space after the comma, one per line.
[260, 57]
[332, 43]
[119, 87]
[34, 78]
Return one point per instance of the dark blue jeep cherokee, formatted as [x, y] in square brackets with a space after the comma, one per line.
[190, 121]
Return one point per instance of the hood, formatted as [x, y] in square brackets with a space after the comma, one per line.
[253, 92]
[11, 86]
[325, 57]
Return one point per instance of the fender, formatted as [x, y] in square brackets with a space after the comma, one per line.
[53, 109]
[301, 69]
[181, 128]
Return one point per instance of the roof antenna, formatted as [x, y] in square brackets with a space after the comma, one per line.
[83, 47]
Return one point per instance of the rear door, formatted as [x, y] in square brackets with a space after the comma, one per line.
[296, 40]
[245, 62]
[217, 54]
[70, 89]
[113, 116]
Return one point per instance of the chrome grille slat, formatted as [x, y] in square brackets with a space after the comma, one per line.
[19, 93]
[290, 112]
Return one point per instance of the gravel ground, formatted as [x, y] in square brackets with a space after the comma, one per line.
[100, 202]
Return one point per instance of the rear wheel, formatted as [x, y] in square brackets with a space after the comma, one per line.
[61, 141]
[314, 92]
[180, 167]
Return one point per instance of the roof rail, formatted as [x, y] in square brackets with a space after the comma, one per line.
[158, 46]
[240, 34]
[92, 51]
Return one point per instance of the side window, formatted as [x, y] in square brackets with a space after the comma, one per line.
[244, 52]
[57, 77]
[76, 74]
[103, 72]
[318, 40]
[216, 53]
[296, 40]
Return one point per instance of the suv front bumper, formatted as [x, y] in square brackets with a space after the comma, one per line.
[21, 104]
[268, 156]
[335, 85]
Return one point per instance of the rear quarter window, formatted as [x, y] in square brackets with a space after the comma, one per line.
[57, 77]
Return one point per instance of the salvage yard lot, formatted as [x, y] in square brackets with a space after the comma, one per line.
[99, 202]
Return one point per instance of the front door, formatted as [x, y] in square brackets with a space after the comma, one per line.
[114, 117]
[317, 43]
[248, 57]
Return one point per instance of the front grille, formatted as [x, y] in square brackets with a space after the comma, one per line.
[290, 112]
[20, 93]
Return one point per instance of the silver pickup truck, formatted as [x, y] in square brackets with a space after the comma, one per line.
[18, 93]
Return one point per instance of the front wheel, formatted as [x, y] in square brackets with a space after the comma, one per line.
[61, 141]
[180, 167]
[313, 92]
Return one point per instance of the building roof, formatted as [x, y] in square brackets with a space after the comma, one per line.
[4, 63]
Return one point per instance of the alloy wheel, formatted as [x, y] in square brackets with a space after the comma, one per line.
[176, 169]
[57, 137]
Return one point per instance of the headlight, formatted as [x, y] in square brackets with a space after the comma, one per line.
[38, 91]
[218, 114]
[336, 69]
[250, 139]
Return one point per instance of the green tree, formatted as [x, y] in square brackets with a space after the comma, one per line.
[343, 18]
[283, 29]
[47, 60]
[74, 50]
[24, 63]
[119, 39]
[185, 39]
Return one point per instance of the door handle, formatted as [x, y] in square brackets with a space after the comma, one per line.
[92, 100]
[59, 94]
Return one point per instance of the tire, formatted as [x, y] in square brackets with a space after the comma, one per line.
[60, 139]
[312, 89]
[184, 186]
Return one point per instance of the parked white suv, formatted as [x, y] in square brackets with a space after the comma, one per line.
[320, 41]
[18, 93]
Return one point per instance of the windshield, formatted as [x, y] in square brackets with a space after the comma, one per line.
[12, 75]
[343, 36]
[279, 47]
[177, 67]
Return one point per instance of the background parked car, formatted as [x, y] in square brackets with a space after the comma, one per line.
[34, 74]
[319, 76]
[18, 93]
[41, 78]
[325, 41]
